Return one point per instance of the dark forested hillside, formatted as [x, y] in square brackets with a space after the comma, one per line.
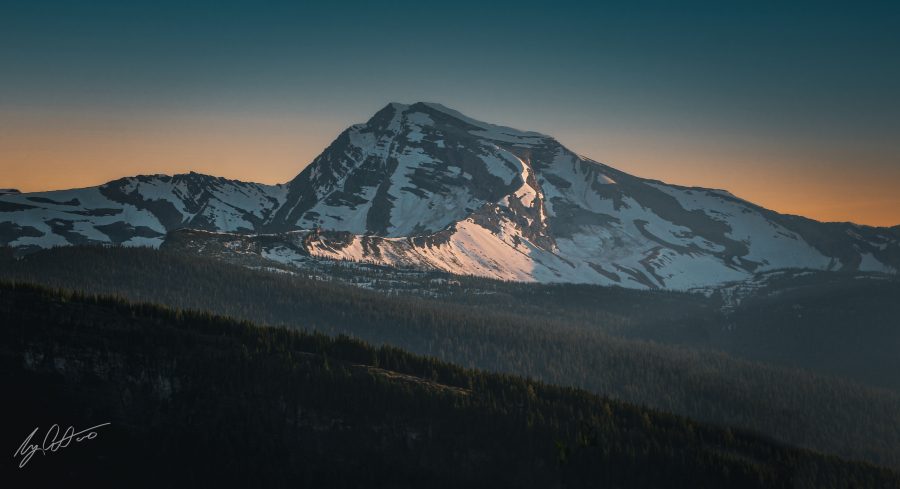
[800, 408]
[849, 325]
[832, 323]
[188, 394]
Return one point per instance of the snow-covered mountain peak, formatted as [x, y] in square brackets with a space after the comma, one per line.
[426, 186]
[410, 170]
[514, 204]
[485, 129]
[400, 117]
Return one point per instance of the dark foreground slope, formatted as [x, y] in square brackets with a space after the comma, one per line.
[795, 407]
[199, 400]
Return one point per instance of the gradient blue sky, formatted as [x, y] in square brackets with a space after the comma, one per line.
[793, 105]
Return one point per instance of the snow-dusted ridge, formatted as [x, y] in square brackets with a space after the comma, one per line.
[421, 185]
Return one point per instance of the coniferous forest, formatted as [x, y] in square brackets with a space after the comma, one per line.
[190, 393]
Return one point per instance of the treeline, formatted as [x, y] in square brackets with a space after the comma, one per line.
[850, 325]
[796, 407]
[200, 400]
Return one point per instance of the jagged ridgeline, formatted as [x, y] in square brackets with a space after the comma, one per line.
[566, 335]
[424, 186]
[189, 394]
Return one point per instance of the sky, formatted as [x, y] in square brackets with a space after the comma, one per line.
[792, 105]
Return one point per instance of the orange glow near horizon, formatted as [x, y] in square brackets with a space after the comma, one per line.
[38, 155]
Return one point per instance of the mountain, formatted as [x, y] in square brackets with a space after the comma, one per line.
[424, 186]
[135, 211]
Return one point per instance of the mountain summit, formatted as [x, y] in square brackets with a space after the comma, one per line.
[410, 170]
[422, 185]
